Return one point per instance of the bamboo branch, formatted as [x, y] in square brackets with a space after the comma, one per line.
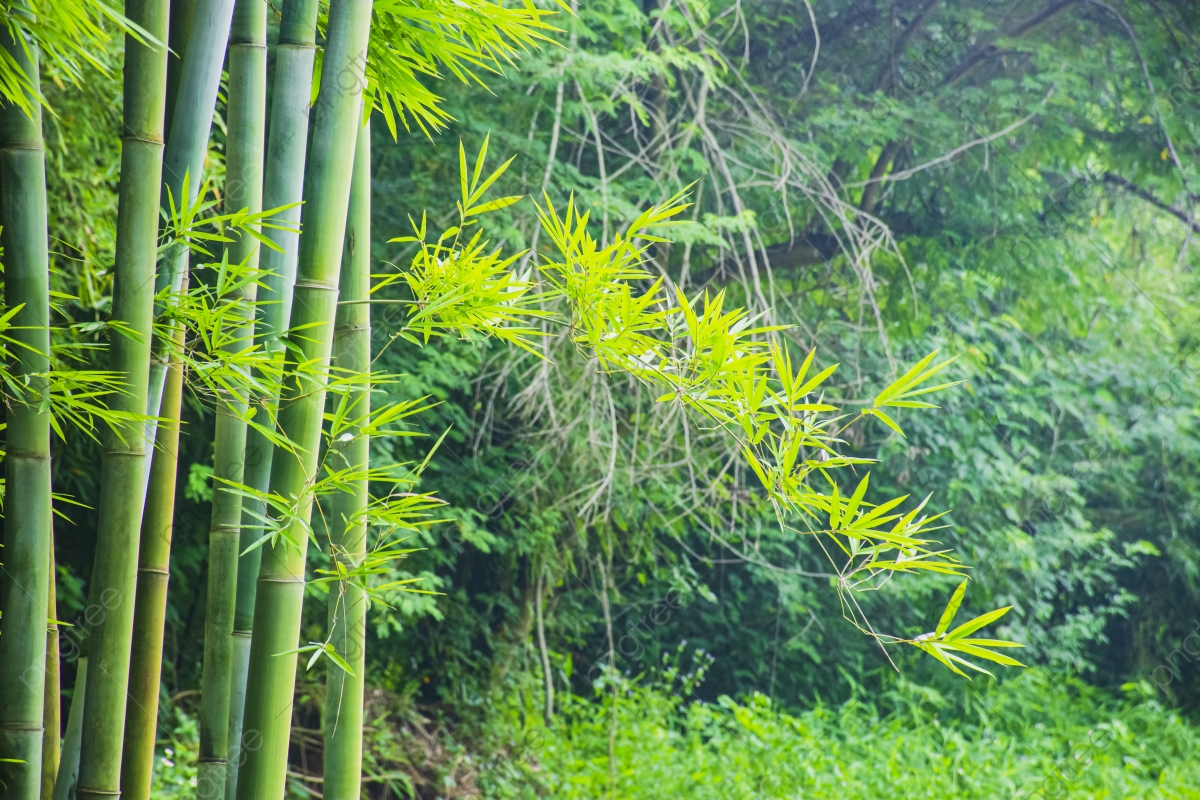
[547, 675]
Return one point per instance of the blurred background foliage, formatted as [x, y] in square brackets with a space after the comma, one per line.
[1013, 183]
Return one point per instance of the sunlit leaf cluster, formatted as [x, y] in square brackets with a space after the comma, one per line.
[731, 373]
[460, 282]
[413, 41]
[68, 36]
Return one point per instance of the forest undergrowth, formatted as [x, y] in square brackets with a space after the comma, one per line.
[1039, 735]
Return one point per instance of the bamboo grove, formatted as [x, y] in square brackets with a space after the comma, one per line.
[251, 288]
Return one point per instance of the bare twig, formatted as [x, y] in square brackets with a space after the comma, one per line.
[1179, 213]
[816, 49]
[942, 159]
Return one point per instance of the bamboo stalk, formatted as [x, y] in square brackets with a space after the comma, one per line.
[79, 642]
[279, 602]
[52, 704]
[190, 124]
[348, 534]
[123, 461]
[68, 765]
[183, 12]
[154, 565]
[27, 512]
[193, 99]
[181, 16]
[246, 119]
[198, 33]
[295, 55]
[283, 185]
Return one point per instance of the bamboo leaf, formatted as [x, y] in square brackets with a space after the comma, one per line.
[885, 419]
[951, 609]
[980, 652]
[977, 623]
[330, 651]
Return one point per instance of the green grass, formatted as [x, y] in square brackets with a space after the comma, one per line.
[1037, 735]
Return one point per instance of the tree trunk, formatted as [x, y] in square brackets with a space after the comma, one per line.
[281, 578]
[243, 190]
[123, 463]
[283, 185]
[872, 191]
[348, 531]
[27, 514]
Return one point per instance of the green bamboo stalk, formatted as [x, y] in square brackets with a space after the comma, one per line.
[27, 513]
[246, 119]
[203, 25]
[182, 14]
[190, 125]
[68, 766]
[280, 597]
[199, 32]
[291, 91]
[79, 643]
[123, 461]
[295, 55]
[154, 565]
[52, 704]
[68, 762]
[348, 534]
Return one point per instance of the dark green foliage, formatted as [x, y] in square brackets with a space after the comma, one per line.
[1027, 258]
